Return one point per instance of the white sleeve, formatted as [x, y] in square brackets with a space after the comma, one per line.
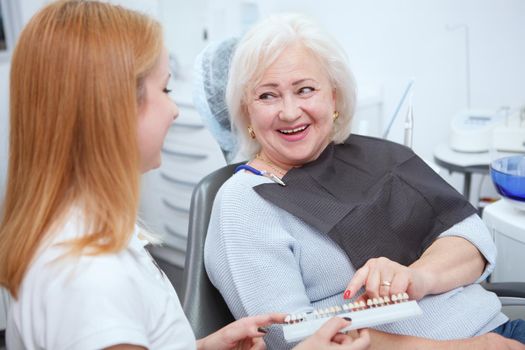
[95, 306]
[252, 260]
[474, 230]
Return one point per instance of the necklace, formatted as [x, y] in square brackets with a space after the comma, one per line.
[274, 167]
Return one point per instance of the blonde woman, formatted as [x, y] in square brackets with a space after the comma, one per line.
[89, 112]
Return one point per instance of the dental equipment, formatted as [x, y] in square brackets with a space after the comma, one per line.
[409, 123]
[398, 107]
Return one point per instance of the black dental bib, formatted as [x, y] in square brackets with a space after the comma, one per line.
[374, 198]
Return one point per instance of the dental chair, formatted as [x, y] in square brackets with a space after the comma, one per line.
[201, 301]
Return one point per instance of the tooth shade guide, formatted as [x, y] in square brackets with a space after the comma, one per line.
[332, 311]
[305, 324]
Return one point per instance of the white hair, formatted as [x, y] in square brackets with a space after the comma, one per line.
[260, 48]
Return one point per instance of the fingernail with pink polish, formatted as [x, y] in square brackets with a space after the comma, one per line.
[347, 294]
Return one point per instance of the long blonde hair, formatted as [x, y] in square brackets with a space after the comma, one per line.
[76, 81]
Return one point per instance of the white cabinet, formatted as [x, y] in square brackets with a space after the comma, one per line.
[507, 225]
[189, 153]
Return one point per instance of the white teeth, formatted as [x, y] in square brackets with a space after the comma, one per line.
[293, 130]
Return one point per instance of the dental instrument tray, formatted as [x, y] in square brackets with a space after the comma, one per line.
[374, 312]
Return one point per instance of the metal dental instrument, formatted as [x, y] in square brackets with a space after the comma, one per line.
[409, 124]
[398, 107]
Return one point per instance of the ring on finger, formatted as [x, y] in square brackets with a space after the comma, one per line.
[386, 284]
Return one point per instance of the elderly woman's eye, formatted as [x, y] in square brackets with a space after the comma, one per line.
[266, 96]
[306, 90]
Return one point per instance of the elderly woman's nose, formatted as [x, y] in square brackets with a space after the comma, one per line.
[290, 109]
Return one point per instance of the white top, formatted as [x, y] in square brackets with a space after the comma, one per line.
[446, 154]
[93, 302]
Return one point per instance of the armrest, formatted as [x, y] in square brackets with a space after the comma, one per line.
[506, 289]
[509, 293]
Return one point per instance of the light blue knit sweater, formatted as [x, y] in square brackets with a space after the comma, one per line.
[262, 259]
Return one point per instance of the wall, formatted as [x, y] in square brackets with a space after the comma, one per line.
[184, 27]
[388, 42]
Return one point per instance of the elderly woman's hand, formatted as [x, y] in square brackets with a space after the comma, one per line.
[384, 277]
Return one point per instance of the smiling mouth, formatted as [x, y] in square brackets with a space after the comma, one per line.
[294, 131]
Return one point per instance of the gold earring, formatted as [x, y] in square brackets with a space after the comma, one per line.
[335, 115]
[251, 132]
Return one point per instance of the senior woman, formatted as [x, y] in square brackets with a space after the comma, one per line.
[357, 213]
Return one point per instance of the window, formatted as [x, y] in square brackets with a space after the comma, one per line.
[8, 27]
[3, 44]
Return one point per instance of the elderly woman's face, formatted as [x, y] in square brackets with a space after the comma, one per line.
[291, 109]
